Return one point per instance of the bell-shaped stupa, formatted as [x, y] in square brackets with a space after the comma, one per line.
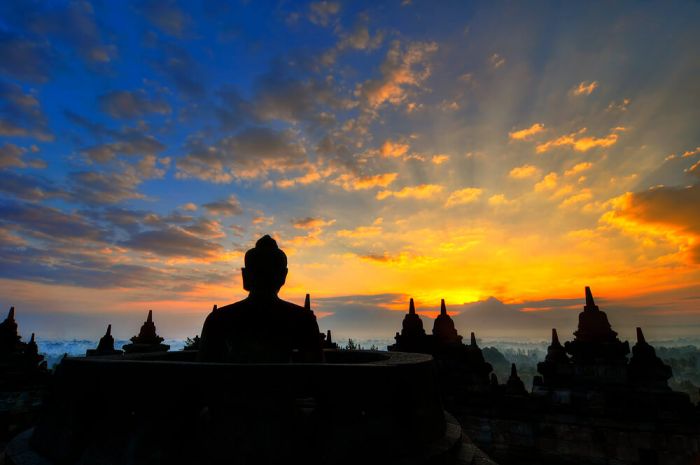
[147, 340]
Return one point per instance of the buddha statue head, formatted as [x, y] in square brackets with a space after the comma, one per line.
[265, 268]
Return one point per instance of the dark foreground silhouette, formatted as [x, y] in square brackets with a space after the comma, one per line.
[262, 327]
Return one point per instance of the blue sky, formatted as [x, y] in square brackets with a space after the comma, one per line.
[492, 153]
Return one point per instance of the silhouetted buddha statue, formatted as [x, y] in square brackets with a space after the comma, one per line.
[645, 368]
[444, 328]
[147, 340]
[262, 327]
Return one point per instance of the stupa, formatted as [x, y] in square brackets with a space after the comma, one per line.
[515, 385]
[105, 346]
[412, 337]
[147, 340]
[556, 369]
[16, 357]
[9, 337]
[597, 355]
[645, 368]
[444, 328]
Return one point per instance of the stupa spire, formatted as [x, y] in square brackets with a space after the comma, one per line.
[11, 314]
[555, 337]
[411, 307]
[329, 338]
[473, 340]
[307, 302]
[109, 330]
[443, 309]
[150, 317]
[590, 303]
[513, 370]
[640, 336]
[215, 308]
[31, 340]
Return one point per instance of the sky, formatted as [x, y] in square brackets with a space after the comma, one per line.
[499, 155]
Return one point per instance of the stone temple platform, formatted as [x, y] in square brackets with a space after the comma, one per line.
[359, 407]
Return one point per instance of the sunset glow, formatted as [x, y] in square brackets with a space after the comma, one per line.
[491, 155]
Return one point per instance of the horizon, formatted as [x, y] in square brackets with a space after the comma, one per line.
[500, 156]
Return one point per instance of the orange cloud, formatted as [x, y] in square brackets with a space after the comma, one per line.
[352, 182]
[670, 213]
[308, 178]
[421, 191]
[583, 196]
[361, 231]
[527, 133]
[580, 144]
[578, 168]
[440, 159]
[523, 172]
[585, 88]
[399, 69]
[464, 196]
[311, 223]
[549, 182]
[393, 149]
[499, 200]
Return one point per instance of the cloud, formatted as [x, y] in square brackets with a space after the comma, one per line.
[400, 69]
[692, 152]
[204, 227]
[225, 207]
[311, 176]
[360, 37]
[29, 187]
[497, 60]
[578, 142]
[251, 153]
[181, 69]
[353, 182]
[321, 13]
[464, 196]
[281, 95]
[439, 159]
[12, 156]
[21, 114]
[547, 183]
[584, 196]
[100, 187]
[167, 16]
[523, 172]
[189, 207]
[527, 133]
[578, 168]
[48, 223]
[74, 24]
[393, 149]
[695, 169]
[585, 88]
[499, 200]
[672, 210]
[421, 191]
[362, 231]
[124, 104]
[173, 242]
[25, 59]
[130, 142]
[311, 223]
